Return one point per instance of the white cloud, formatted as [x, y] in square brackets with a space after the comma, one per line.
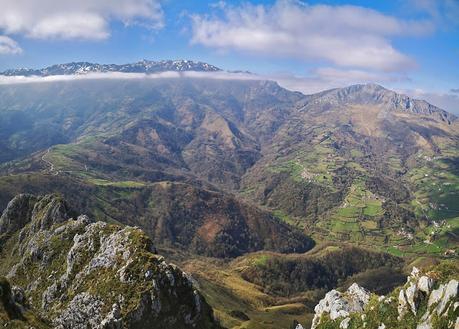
[348, 36]
[318, 80]
[70, 19]
[327, 78]
[220, 75]
[348, 77]
[83, 26]
[445, 13]
[9, 46]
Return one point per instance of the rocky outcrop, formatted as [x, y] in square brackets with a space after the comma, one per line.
[17, 214]
[426, 301]
[77, 273]
[428, 304]
[40, 212]
[296, 325]
[341, 305]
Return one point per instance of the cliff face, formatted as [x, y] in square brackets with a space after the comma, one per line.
[78, 273]
[427, 301]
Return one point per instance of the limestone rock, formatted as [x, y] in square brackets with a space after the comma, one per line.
[84, 310]
[402, 304]
[296, 325]
[412, 297]
[48, 211]
[17, 213]
[83, 274]
[425, 284]
[345, 323]
[449, 294]
[113, 319]
[339, 305]
[417, 301]
[436, 295]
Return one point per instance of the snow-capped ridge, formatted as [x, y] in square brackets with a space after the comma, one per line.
[143, 66]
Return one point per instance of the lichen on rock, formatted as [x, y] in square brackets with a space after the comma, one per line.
[426, 301]
[78, 273]
[341, 305]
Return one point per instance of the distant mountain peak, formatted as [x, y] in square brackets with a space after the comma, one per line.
[143, 66]
[375, 94]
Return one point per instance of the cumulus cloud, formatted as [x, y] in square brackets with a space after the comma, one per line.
[9, 46]
[70, 19]
[347, 36]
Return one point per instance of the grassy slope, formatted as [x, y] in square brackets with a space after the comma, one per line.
[315, 167]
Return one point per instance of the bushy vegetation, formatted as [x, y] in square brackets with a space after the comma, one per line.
[287, 276]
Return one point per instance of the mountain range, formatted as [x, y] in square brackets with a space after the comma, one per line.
[268, 197]
[144, 66]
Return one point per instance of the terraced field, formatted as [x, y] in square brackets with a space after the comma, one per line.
[403, 200]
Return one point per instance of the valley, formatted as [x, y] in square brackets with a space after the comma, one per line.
[268, 198]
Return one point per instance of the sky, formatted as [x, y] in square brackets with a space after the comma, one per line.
[411, 46]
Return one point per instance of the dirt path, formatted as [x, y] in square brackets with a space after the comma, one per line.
[49, 163]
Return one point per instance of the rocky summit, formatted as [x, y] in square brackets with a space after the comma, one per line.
[427, 301]
[61, 271]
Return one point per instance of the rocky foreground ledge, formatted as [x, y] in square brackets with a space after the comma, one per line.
[426, 301]
[65, 272]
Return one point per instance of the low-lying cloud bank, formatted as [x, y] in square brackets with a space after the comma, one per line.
[318, 80]
[10, 80]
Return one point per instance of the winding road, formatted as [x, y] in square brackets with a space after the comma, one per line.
[51, 165]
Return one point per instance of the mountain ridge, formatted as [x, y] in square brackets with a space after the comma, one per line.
[144, 66]
[78, 273]
[375, 94]
[392, 98]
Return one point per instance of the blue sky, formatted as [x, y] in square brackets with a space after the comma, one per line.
[408, 45]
